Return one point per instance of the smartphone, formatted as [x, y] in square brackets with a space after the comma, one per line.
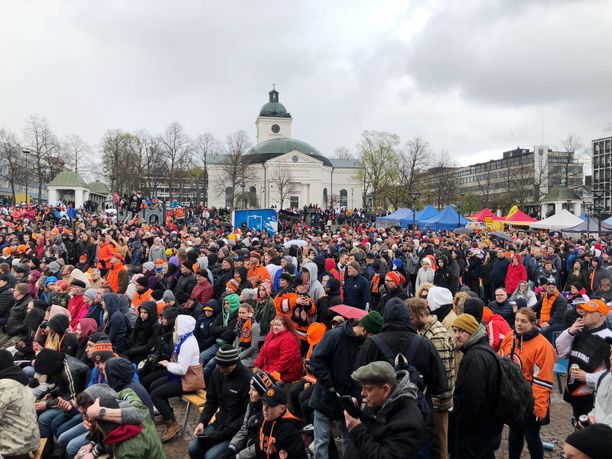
[349, 406]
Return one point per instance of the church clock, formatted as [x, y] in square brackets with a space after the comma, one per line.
[275, 128]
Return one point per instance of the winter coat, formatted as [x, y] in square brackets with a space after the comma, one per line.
[582, 277]
[116, 327]
[398, 292]
[444, 277]
[357, 292]
[499, 268]
[203, 327]
[146, 334]
[285, 434]
[424, 276]
[497, 330]
[248, 351]
[331, 363]
[536, 357]
[602, 410]
[315, 289]
[15, 324]
[227, 396]
[514, 275]
[504, 309]
[394, 430]
[72, 379]
[185, 283]
[78, 310]
[398, 333]
[7, 300]
[248, 434]
[527, 295]
[557, 311]
[189, 354]
[264, 315]
[476, 392]
[281, 352]
[595, 277]
[332, 298]
[202, 292]
[18, 422]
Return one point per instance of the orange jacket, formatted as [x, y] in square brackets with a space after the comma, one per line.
[301, 319]
[117, 278]
[105, 252]
[260, 272]
[140, 298]
[536, 357]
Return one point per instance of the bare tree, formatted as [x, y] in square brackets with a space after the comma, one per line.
[152, 162]
[44, 150]
[11, 159]
[342, 152]
[441, 181]
[486, 186]
[283, 182]
[415, 157]
[121, 160]
[75, 150]
[572, 173]
[379, 159]
[234, 171]
[203, 146]
[176, 147]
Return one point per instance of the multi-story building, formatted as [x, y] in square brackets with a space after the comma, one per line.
[602, 170]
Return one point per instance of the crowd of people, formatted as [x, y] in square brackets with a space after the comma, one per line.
[320, 340]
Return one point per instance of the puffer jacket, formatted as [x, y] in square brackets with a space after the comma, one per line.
[116, 328]
[18, 422]
[185, 283]
[146, 334]
[281, 352]
[15, 324]
[395, 430]
[6, 301]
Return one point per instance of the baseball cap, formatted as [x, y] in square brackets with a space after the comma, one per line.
[275, 396]
[594, 306]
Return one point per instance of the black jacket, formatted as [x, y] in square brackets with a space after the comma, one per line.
[16, 320]
[6, 301]
[399, 292]
[444, 277]
[393, 431]
[185, 284]
[146, 334]
[476, 391]
[332, 298]
[230, 395]
[287, 443]
[398, 333]
[72, 379]
[332, 364]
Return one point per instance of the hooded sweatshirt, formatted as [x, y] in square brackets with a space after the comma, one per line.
[120, 374]
[115, 326]
[203, 326]
[315, 289]
[146, 333]
[189, 353]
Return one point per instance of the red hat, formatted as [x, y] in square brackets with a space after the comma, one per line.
[396, 277]
[233, 285]
[255, 255]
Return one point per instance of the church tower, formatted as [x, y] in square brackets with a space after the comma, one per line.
[273, 122]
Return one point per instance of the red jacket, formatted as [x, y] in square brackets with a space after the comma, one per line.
[78, 310]
[202, 292]
[514, 275]
[281, 353]
[497, 329]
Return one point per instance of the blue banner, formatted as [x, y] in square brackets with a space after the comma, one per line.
[256, 219]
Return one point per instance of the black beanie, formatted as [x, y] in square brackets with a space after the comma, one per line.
[49, 362]
[6, 359]
[59, 324]
[474, 307]
[594, 441]
[97, 336]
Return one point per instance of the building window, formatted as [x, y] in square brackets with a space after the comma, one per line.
[294, 202]
[343, 198]
[325, 197]
[252, 197]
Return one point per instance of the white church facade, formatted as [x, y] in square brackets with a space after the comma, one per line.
[305, 174]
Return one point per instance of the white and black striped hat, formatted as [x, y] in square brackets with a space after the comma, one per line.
[227, 355]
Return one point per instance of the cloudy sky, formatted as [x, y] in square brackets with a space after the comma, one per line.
[473, 77]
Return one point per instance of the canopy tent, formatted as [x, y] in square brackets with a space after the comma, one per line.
[519, 218]
[394, 219]
[484, 213]
[589, 226]
[427, 213]
[608, 221]
[447, 219]
[562, 219]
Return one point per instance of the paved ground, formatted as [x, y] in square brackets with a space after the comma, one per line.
[556, 431]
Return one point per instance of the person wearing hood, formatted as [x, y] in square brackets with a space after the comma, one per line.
[515, 274]
[477, 427]
[223, 277]
[84, 329]
[204, 324]
[440, 301]
[444, 275]
[18, 422]
[536, 357]
[356, 288]
[597, 272]
[115, 323]
[398, 333]
[223, 327]
[332, 298]
[425, 274]
[240, 275]
[185, 358]
[264, 310]
[119, 374]
[309, 277]
[391, 424]
[146, 333]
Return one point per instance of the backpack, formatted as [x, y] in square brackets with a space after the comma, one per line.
[515, 402]
[403, 362]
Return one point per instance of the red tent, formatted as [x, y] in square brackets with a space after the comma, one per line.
[484, 213]
[520, 218]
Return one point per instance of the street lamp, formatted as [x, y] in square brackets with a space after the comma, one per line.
[25, 155]
[414, 196]
[598, 196]
[461, 195]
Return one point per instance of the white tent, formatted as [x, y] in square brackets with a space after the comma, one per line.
[561, 220]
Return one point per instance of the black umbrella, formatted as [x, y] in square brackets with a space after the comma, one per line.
[464, 230]
[502, 235]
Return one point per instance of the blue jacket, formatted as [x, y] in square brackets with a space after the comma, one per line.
[357, 292]
[202, 330]
[117, 327]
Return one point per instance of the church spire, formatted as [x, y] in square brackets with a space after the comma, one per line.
[273, 94]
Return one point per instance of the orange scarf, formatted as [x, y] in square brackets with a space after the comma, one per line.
[547, 303]
[246, 334]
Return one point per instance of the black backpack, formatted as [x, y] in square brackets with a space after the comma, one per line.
[404, 362]
[515, 402]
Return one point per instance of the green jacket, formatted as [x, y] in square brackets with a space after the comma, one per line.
[146, 445]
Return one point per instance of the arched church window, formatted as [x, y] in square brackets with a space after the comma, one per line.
[343, 198]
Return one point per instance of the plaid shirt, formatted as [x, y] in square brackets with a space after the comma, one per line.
[442, 341]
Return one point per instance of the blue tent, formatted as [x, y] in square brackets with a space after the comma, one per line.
[427, 213]
[584, 216]
[447, 219]
[395, 218]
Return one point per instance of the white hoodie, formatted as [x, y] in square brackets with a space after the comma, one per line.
[189, 354]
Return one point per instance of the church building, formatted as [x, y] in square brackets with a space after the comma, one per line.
[282, 165]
